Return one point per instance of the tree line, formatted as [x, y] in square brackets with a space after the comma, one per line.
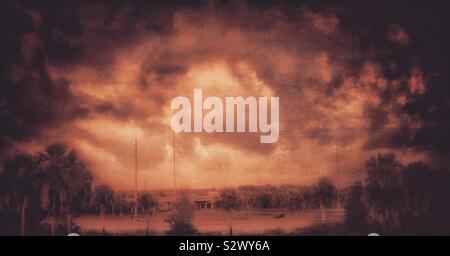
[51, 185]
[321, 194]
[399, 199]
[41, 193]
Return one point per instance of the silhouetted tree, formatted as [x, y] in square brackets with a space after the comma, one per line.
[325, 192]
[426, 204]
[103, 198]
[296, 199]
[180, 220]
[19, 187]
[55, 182]
[229, 199]
[264, 200]
[411, 199]
[356, 208]
[145, 202]
[66, 182]
[384, 190]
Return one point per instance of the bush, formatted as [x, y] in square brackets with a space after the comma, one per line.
[180, 220]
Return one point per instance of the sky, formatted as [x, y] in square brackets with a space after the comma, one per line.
[354, 80]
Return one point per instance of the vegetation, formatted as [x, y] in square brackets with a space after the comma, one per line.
[279, 197]
[41, 193]
[180, 220]
[400, 199]
[229, 200]
[18, 187]
[54, 184]
[325, 193]
[146, 203]
[104, 198]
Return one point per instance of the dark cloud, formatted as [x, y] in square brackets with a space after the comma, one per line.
[375, 69]
[420, 42]
[163, 70]
[30, 99]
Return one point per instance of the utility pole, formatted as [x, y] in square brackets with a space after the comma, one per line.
[173, 158]
[121, 204]
[135, 180]
[337, 173]
[219, 167]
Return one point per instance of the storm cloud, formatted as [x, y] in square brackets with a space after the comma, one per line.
[97, 75]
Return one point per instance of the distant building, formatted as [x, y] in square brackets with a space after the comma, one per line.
[202, 200]
[206, 201]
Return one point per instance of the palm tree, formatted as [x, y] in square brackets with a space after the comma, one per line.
[18, 186]
[78, 188]
[66, 182]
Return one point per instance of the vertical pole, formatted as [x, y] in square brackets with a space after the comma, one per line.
[135, 180]
[173, 158]
[121, 204]
[23, 219]
[219, 167]
[337, 173]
